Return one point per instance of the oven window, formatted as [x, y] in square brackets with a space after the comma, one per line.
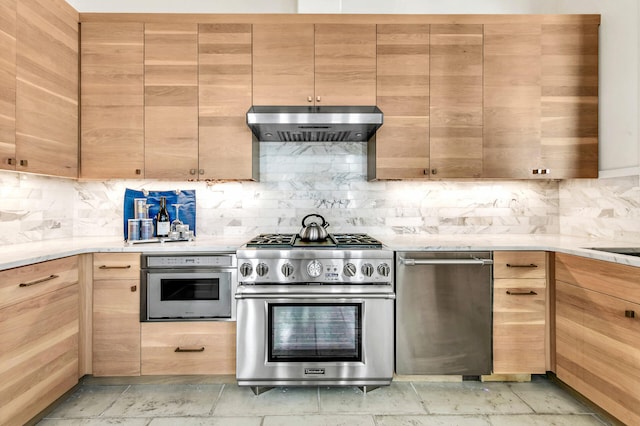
[179, 289]
[315, 332]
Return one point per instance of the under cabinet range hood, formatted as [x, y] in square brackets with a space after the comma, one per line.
[314, 123]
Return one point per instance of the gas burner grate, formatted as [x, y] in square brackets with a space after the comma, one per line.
[356, 240]
[353, 240]
[272, 240]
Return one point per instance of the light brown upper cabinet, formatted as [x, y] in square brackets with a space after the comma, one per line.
[8, 84]
[402, 143]
[541, 101]
[456, 101]
[47, 88]
[569, 145]
[171, 101]
[224, 91]
[512, 95]
[112, 79]
[322, 64]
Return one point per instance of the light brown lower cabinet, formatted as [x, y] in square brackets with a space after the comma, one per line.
[598, 333]
[188, 347]
[116, 314]
[39, 334]
[519, 312]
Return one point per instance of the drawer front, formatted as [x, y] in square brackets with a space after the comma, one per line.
[116, 266]
[519, 264]
[598, 348]
[27, 282]
[519, 328]
[611, 278]
[188, 348]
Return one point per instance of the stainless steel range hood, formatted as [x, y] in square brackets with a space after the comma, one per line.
[314, 123]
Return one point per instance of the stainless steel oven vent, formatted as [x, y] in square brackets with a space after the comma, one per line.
[315, 135]
[314, 124]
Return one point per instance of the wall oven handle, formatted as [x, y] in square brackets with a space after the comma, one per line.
[419, 262]
[240, 296]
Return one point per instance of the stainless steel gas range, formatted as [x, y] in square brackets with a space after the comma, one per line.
[314, 313]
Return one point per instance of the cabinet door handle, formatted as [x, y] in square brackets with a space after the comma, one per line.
[24, 163]
[201, 171]
[434, 171]
[11, 161]
[630, 314]
[317, 98]
[179, 349]
[134, 288]
[521, 293]
[40, 281]
[531, 265]
[114, 267]
[138, 171]
[541, 171]
[309, 99]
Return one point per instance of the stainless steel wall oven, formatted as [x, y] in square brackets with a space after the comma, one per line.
[183, 287]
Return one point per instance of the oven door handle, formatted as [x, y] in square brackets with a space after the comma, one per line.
[240, 296]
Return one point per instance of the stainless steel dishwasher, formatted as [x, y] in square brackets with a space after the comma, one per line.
[443, 313]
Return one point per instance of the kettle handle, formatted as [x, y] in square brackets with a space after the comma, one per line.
[324, 222]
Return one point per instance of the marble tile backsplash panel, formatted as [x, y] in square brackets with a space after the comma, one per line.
[296, 179]
[601, 208]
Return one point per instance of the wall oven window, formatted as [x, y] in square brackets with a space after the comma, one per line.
[328, 332]
[189, 289]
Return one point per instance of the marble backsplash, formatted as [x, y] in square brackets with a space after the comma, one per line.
[601, 208]
[330, 179]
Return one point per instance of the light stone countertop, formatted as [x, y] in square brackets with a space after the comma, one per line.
[16, 255]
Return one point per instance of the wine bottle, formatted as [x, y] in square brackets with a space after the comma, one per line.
[163, 222]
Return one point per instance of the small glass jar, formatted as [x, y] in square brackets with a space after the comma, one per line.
[146, 229]
[133, 230]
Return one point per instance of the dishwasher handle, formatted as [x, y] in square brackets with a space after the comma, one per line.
[471, 261]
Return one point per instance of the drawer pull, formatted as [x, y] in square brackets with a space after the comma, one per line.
[630, 314]
[531, 265]
[40, 281]
[521, 293]
[134, 288]
[179, 349]
[114, 267]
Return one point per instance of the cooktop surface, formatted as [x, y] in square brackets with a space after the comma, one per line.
[346, 240]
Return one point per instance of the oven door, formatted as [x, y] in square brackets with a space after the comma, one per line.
[187, 294]
[302, 340]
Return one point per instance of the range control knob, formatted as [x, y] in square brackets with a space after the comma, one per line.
[367, 269]
[350, 270]
[314, 269]
[384, 269]
[262, 269]
[287, 269]
[246, 269]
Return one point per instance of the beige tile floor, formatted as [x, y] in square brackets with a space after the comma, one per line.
[404, 403]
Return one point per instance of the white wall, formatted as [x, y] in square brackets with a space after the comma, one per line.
[313, 6]
[184, 6]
